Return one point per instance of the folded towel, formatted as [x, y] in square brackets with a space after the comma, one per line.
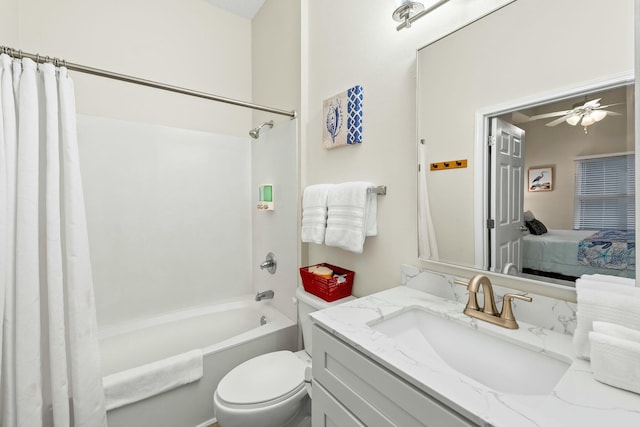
[133, 385]
[314, 213]
[603, 301]
[615, 355]
[608, 280]
[617, 331]
[352, 215]
[612, 287]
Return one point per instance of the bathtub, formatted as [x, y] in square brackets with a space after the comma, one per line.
[227, 334]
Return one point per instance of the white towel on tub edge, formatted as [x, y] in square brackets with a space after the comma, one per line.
[135, 384]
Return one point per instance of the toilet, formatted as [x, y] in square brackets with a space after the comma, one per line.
[273, 389]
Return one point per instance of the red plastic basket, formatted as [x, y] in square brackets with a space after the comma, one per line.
[328, 289]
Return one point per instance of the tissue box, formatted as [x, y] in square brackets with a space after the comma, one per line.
[329, 289]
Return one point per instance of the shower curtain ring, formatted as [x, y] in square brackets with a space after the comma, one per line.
[20, 54]
[38, 62]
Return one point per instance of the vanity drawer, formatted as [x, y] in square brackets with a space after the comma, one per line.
[328, 412]
[371, 393]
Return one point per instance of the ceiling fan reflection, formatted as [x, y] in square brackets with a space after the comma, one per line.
[586, 114]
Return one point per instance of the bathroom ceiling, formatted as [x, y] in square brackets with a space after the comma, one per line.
[245, 8]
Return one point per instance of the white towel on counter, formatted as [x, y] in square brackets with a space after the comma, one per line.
[133, 385]
[351, 215]
[613, 284]
[615, 355]
[314, 213]
[601, 300]
[617, 331]
[610, 279]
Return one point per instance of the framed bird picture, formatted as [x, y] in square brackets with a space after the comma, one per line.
[540, 179]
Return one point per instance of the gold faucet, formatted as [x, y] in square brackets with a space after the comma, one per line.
[489, 312]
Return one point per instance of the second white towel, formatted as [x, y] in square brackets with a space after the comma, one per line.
[351, 215]
[615, 355]
[603, 300]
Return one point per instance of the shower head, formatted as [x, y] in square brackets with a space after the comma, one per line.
[255, 132]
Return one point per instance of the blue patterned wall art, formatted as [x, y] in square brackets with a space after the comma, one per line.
[342, 123]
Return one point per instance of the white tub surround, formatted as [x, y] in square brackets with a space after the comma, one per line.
[577, 399]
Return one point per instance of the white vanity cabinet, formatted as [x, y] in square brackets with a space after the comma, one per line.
[349, 389]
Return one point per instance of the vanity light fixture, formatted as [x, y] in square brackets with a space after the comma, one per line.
[408, 11]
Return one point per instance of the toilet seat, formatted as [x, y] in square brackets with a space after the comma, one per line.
[262, 381]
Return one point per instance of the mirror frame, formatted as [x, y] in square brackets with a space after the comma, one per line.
[523, 284]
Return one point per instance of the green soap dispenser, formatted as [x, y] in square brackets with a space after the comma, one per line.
[265, 197]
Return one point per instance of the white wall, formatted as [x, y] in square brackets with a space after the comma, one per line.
[184, 43]
[275, 58]
[356, 42]
[9, 22]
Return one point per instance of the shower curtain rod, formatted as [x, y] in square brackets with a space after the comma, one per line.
[40, 59]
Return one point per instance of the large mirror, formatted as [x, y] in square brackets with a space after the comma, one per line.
[562, 102]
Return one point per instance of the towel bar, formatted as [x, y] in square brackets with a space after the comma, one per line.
[380, 190]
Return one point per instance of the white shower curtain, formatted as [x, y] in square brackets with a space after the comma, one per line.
[50, 365]
[427, 243]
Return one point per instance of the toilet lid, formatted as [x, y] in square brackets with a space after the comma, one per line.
[263, 378]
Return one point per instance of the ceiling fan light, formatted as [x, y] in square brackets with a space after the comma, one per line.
[587, 120]
[573, 120]
[598, 115]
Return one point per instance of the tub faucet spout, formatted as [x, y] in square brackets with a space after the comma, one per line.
[264, 295]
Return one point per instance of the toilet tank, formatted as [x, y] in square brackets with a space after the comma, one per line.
[307, 304]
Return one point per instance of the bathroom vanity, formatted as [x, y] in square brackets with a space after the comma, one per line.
[352, 390]
[404, 357]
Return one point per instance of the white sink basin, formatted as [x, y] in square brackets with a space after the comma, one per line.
[493, 361]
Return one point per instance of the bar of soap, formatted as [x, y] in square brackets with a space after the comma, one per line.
[322, 271]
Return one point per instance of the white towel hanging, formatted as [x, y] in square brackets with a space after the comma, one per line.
[314, 213]
[351, 215]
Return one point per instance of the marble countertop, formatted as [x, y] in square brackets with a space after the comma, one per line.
[577, 399]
